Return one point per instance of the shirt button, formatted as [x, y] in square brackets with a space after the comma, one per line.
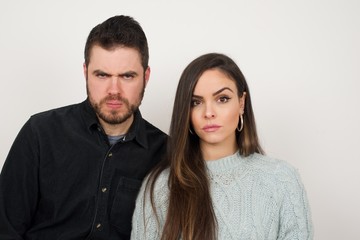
[104, 189]
[98, 226]
[110, 155]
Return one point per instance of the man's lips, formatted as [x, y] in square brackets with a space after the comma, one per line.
[211, 128]
[114, 103]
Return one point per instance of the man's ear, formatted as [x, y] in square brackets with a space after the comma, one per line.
[147, 75]
[85, 71]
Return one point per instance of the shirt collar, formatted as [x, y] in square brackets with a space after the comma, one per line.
[136, 132]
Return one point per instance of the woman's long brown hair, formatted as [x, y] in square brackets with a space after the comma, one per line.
[190, 213]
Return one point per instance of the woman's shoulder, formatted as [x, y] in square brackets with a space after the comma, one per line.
[271, 167]
[161, 182]
[277, 176]
[154, 188]
[158, 184]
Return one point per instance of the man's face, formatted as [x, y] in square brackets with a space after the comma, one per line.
[115, 83]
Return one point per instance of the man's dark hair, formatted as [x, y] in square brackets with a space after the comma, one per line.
[118, 31]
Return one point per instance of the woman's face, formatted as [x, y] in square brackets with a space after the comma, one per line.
[215, 110]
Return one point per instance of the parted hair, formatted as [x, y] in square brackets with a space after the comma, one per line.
[190, 212]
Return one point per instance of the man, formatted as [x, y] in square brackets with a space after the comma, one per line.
[74, 172]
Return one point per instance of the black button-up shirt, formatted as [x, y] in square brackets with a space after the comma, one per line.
[63, 180]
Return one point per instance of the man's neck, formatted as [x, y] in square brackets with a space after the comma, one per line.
[117, 129]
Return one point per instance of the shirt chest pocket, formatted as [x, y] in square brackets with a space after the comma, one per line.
[124, 204]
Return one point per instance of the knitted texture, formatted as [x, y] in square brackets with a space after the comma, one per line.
[255, 198]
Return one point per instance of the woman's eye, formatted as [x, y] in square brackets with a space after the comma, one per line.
[194, 103]
[224, 99]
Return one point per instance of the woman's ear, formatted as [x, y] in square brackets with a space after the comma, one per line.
[242, 103]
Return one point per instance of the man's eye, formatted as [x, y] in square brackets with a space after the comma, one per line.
[101, 75]
[128, 76]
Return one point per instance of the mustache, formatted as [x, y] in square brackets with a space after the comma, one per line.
[117, 97]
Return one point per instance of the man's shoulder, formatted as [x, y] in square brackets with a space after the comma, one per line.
[151, 129]
[69, 115]
[57, 112]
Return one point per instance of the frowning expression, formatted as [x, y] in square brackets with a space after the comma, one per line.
[115, 81]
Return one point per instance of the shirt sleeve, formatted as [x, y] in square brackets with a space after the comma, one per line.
[19, 185]
[295, 216]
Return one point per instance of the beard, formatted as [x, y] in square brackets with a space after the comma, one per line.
[114, 117]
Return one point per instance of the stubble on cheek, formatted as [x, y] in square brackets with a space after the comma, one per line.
[115, 116]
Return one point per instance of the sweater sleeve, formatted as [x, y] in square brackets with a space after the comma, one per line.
[295, 216]
[146, 225]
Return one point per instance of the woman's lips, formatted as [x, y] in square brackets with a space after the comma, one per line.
[211, 128]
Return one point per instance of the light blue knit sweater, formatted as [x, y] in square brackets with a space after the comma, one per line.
[254, 198]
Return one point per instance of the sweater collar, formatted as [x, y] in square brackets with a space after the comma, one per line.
[225, 163]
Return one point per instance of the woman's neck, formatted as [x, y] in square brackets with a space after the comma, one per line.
[213, 152]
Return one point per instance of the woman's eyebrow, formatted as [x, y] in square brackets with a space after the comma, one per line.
[215, 93]
[221, 90]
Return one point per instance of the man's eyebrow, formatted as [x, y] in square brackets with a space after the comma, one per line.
[215, 93]
[98, 71]
[133, 73]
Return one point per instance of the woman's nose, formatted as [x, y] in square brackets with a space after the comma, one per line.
[209, 112]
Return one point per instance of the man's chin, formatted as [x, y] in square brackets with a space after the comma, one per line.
[115, 119]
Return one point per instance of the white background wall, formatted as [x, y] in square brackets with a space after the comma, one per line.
[301, 60]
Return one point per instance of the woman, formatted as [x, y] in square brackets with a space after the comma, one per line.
[216, 182]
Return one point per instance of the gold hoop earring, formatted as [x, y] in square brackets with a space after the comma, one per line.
[241, 124]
